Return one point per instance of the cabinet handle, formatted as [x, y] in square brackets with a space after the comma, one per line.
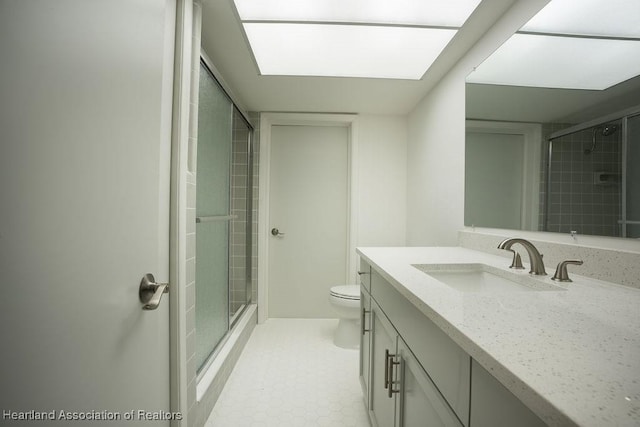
[360, 273]
[362, 320]
[389, 370]
[386, 368]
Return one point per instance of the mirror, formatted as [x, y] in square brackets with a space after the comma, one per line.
[554, 159]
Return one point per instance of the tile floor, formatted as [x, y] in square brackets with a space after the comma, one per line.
[291, 375]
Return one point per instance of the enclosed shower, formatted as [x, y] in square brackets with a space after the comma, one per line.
[592, 181]
[224, 182]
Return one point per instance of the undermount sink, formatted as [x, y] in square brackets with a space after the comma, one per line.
[485, 278]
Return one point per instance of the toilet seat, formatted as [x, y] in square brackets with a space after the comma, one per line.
[350, 292]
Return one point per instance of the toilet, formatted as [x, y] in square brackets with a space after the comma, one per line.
[345, 300]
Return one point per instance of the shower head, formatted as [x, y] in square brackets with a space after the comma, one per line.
[609, 130]
[606, 130]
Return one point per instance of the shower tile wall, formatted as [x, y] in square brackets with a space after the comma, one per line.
[255, 121]
[239, 165]
[238, 295]
[577, 201]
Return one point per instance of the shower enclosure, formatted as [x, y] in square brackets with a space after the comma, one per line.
[592, 186]
[223, 216]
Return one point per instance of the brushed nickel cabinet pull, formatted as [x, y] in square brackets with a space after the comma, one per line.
[363, 312]
[386, 368]
[391, 364]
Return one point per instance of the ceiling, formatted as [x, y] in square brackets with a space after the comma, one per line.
[225, 43]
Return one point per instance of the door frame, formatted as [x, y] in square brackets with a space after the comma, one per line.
[532, 134]
[267, 121]
[186, 56]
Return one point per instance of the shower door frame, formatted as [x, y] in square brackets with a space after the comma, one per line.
[621, 116]
[201, 371]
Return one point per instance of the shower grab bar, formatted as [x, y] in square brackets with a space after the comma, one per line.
[215, 218]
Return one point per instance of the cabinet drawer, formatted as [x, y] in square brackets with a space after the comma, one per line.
[448, 366]
[364, 273]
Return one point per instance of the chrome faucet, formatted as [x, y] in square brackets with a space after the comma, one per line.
[535, 258]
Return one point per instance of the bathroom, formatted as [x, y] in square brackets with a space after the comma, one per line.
[406, 165]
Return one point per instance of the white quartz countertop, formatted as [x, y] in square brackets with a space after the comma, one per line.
[572, 355]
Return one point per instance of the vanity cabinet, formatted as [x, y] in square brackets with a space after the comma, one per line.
[447, 365]
[495, 406]
[399, 390]
[414, 374]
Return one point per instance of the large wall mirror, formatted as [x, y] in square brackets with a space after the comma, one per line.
[553, 124]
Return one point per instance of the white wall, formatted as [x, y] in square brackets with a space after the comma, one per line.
[435, 165]
[435, 147]
[382, 164]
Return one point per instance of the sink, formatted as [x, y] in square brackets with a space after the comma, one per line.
[485, 278]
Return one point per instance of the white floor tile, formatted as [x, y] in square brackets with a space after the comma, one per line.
[291, 374]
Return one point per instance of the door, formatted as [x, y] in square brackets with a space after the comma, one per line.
[213, 215]
[308, 206]
[420, 403]
[383, 345]
[84, 212]
[493, 180]
[365, 342]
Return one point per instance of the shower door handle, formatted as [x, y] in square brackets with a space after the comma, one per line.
[150, 292]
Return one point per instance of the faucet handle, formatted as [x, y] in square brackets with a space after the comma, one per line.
[561, 274]
[516, 263]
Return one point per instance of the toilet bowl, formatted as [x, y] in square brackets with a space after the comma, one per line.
[345, 300]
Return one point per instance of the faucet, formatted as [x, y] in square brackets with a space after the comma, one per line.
[535, 258]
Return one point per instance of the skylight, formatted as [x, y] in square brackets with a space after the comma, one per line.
[614, 18]
[350, 38]
[570, 44]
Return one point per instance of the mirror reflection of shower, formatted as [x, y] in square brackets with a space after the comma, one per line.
[605, 130]
[590, 185]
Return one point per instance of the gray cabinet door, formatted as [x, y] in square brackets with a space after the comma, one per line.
[492, 405]
[420, 403]
[383, 340]
[365, 343]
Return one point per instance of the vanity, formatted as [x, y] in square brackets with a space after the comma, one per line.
[452, 337]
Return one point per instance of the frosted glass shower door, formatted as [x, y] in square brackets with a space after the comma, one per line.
[213, 216]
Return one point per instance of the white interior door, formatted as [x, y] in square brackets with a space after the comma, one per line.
[494, 180]
[308, 197]
[84, 207]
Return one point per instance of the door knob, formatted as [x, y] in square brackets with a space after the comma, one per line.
[276, 232]
[151, 292]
